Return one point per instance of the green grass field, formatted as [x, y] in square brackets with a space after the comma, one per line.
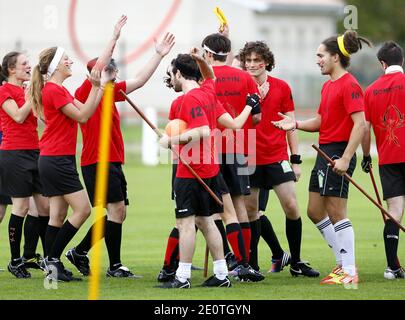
[150, 218]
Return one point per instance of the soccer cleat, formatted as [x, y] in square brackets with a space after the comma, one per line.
[231, 261]
[303, 269]
[35, 262]
[57, 272]
[213, 281]
[349, 282]
[80, 261]
[166, 275]
[121, 272]
[175, 284]
[394, 274]
[17, 268]
[278, 264]
[332, 276]
[246, 274]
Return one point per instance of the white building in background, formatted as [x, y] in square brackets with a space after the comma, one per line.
[292, 28]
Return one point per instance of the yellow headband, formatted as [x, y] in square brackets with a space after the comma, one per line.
[342, 46]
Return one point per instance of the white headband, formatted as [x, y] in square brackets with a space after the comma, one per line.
[55, 61]
[212, 51]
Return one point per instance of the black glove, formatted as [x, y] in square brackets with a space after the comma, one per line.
[366, 164]
[254, 101]
[295, 159]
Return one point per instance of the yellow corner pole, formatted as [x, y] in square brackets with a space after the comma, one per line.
[101, 189]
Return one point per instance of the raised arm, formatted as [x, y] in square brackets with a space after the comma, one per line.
[105, 57]
[206, 70]
[162, 49]
[288, 123]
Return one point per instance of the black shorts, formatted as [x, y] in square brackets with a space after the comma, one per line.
[19, 173]
[323, 180]
[235, 173]
[392, 180]
[117, 185]
[263, 199]
[192, 199]
[267, 176]
[59, 175]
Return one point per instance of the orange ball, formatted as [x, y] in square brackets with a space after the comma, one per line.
[175, 127]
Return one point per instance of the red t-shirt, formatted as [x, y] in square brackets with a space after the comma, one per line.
[17, 136]
[271, 144]
[60, 135]
[385, 109]
[91, 129]
[339, 99]
[198, 109]
[232, 85]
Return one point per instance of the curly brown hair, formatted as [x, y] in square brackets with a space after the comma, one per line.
[261, 49]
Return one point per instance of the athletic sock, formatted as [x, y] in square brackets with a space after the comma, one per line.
[222, 231]
[391, 239]
[254, 242]
[327, 230]
[50, 236]
[42, 226]
[345, 238]
[293, 230]
[247, 235]
[65, 234]
[31, 236]
[85, 245]
[183, 272]
[172, 251]
[220, 269]
[15, 226]
[235, 238]
[113, 236]
[268, 234]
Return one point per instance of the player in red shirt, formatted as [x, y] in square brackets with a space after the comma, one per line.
[4, 200]
[232, 87]
[270, 166]
[19, 162]
[385, 110]
[341, 125]
[117, 186]
[57, 165]
[194, 205]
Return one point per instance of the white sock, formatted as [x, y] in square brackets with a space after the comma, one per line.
[183, 272]
[328, 232]
[220, 269]
[345, 237]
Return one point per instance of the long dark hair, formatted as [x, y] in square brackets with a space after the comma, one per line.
[9, 62]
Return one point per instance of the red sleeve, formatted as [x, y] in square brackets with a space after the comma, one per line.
[353, 98]
[60, 97]
[219, 110]
[208, 86]
[82, 93]
[4, 95]
[288, 102]
[117, 94]
[192, 113]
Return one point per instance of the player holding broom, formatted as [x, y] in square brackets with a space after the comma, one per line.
[385, 110]
[341, 125]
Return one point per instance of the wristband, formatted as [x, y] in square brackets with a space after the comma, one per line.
[295, 159]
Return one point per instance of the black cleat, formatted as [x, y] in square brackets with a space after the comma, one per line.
[213, 281]
[394, 274]
[231, 262]
[57, 272]
[166, 275]
[80, 261]
[175, 284]
[18, 269]
[246, 274]
[303, 269]
[121, 272]
[34, 262]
